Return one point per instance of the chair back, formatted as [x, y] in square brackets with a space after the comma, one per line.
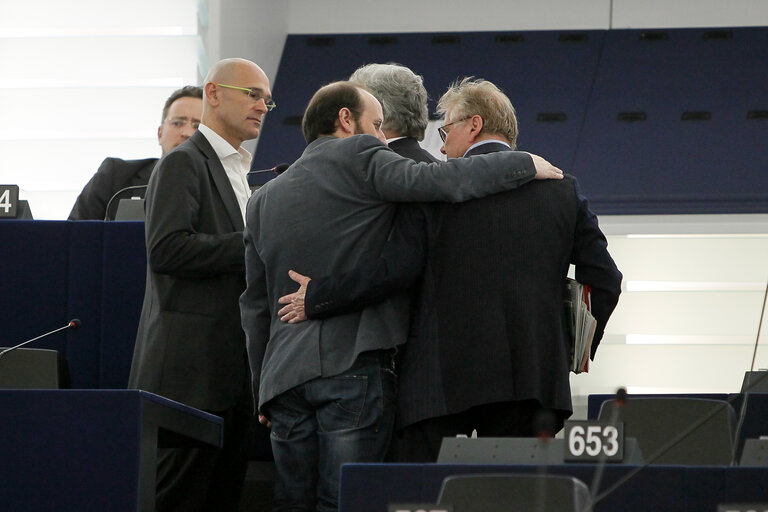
[515, 493]
[29, 368]
[658, 423]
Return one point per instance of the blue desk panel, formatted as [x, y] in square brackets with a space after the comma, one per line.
[370, 487]
[89, 450]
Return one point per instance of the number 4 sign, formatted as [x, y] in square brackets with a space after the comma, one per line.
[9, 200]
[594, 441]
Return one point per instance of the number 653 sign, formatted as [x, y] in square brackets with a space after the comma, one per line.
[593, 441]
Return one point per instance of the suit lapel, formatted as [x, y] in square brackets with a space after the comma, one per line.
[220, 180]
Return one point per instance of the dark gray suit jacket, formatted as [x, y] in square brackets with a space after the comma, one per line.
[330, 211]
[190, 346]
[113, 175]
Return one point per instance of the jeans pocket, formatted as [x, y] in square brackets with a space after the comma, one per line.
[347, 397]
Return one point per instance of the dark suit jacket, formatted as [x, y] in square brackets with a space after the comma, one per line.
[329, 212]
[409, 148]
[489, 323]
[113, 175]
[190, 346]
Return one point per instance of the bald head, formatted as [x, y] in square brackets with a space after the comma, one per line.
[236, 96]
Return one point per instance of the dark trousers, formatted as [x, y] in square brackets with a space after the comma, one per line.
[208, 478]
[421, 441]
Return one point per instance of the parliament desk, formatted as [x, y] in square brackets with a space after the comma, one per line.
[370, 487]
[90, 449]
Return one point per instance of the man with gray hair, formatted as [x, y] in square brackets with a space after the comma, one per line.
[403, 99]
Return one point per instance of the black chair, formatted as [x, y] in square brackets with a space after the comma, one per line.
[686, 431]
[29, 368]
[515, 493]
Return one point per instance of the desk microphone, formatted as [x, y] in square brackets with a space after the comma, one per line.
[619, 401]
[739, 425]
[73, 324]
[661, 451]
[745, 392]
[544, 422]
[115, 195]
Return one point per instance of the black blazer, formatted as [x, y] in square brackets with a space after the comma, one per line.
[488, 326]
[409, 148]
[190, 346]
[113, 175]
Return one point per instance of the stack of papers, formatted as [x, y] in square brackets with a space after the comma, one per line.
[581, 324]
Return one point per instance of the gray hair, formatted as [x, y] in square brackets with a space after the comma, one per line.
[402, 96]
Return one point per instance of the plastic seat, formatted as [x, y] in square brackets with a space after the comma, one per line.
[515, 493]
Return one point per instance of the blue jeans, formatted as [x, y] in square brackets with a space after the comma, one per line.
[321, 424]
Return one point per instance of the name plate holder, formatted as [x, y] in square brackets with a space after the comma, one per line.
[9, 201]
[594, 441]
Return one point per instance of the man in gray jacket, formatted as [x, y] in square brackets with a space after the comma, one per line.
[328, 387]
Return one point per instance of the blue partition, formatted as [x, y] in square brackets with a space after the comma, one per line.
[84, 301]
[546, 73]
[661, 121]
[123, 282]
[58, 270]
[34, 273]
[90, 450]
[687, 143]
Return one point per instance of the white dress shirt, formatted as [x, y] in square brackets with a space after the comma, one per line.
[236, 163]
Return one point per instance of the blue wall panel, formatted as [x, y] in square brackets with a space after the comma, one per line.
[661, 164]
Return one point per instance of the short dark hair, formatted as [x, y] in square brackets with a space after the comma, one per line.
[188, 91]
[323, 109]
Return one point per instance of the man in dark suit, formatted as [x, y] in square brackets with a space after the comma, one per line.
[181, 116]
[328, 387]
[490, 350]
[190, 346]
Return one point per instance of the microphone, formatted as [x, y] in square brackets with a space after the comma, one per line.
[739, 424]
[620, 400]
[660, 451]
[278, 169]
[118, 193]
[72, 324]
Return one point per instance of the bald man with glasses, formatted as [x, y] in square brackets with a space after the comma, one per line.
[190, 346]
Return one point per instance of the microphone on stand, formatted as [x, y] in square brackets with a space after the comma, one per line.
[73, 324]
[253, 176]
[278, 169]
[142, 188]
[620, 400]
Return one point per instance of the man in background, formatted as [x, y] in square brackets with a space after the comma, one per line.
[328, 388]
[403, 101]
[180, 119]
[190, 346]
[489, 348]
